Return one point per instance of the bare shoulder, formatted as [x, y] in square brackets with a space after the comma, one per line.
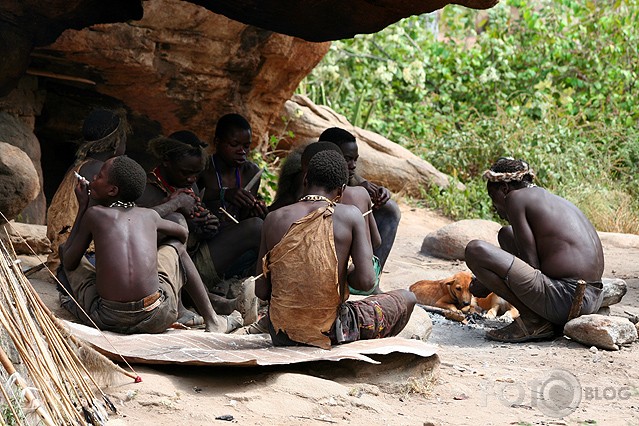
[526, 196]
[359, 192]
[97, 217]
[143, 211]
[286, 213]
[348, 212]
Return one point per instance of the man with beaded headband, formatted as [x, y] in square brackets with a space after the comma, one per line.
[135, 285]
[548, 250]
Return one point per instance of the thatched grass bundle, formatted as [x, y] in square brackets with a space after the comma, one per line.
[45, 379]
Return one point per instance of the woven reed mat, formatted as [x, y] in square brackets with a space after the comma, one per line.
[195, 347]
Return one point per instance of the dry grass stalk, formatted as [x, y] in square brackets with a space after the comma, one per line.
[65, 388]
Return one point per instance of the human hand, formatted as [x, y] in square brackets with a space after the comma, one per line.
[383, 195]
[371, 188]
[239, 197]
[258, 209]
[379, 195]
[82, 192]
[185, 201]
[205, 223]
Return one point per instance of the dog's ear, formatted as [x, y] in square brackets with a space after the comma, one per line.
[449, 281]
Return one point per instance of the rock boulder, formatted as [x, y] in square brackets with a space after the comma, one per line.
[419, 326]
[604, 332]
[15, 131]
[184, 67]
[614, 289]
[19, 184]
[380, 160]
[26, 237]
[449, 242]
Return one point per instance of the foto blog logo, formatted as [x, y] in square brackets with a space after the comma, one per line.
[558, 393]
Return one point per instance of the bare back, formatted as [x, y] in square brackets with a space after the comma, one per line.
[556, 232]
[348, 229]
[125, 244]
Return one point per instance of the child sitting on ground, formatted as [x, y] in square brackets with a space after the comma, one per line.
[134, 287]
[230, 183]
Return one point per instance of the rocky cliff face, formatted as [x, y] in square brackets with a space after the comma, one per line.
[180, 67]
[184, 67]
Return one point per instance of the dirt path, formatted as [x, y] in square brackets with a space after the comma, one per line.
[476, 382]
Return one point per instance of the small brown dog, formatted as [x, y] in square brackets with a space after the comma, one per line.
[450, 293]
[494, 306]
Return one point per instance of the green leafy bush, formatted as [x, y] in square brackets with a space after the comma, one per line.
[554, 82]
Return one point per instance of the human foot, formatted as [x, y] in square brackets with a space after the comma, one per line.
[258, 327]
[518, 332]
[189, 319]
[224, 323]
[247, 303]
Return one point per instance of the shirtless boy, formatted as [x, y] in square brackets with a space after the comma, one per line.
[386, 212]
[134, 286]
[305, 250]
[549, 247]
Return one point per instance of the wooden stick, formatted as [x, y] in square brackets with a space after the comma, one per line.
[56, 76]
[228, 215]
[39, 408]
[254, 179]
[367, 213]
[89, 351]
[577, 301]
[447, 313]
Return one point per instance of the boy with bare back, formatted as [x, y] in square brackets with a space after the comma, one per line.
[134, 287]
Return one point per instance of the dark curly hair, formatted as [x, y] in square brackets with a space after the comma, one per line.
[315, 147]
[327, 169]
[228, 122]
[337, 135]
[179, 145]
[511, 171]
[128, 176]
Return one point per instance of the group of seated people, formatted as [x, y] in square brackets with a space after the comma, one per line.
[130, 241]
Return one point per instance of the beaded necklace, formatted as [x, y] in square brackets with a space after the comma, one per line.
[123, 204]
[238, 180]
[313, 197]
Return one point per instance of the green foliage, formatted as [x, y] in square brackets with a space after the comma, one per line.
[267, 158]
[10, 410]
[553, 82]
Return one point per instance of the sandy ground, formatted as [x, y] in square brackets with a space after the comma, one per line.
[471, 381]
